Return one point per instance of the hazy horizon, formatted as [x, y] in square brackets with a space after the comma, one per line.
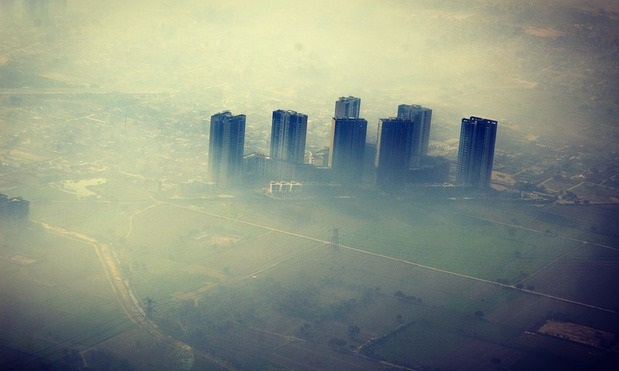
[459, 58]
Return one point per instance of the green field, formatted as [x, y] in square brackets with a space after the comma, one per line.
[55, 298]
[252, 273]
[210, 270]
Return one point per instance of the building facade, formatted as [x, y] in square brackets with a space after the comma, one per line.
[476, 152]
[226, 144]
[393, 150]
[422, 120]
[288, 133]
[347, 149]
[347, 107]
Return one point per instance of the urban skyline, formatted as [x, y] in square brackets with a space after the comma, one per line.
[399, 158]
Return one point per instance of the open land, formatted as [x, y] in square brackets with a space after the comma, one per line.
[251, 272]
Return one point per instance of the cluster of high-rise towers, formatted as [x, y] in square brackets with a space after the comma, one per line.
[401, 150]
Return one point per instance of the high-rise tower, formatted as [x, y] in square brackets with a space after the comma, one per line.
[393, 150]
[347, 149]
[226, 143]
[476, 151]
[347, 107]
[288, 132]
[422, 119]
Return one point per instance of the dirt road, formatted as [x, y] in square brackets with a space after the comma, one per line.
[130, 303]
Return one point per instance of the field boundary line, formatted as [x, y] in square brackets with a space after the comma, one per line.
[455, 274]
[538, 231]
[552, 262]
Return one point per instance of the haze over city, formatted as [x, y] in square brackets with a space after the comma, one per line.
[119, 249]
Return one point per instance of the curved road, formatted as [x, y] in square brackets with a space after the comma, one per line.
[129, 303]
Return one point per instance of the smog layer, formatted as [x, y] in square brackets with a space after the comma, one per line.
[124, 260]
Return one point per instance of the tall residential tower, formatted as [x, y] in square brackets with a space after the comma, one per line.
[476, 152]
[393, 150]
[288, 131]
[422, 119]
[226, 143]
[347, 149]
[347, 107]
